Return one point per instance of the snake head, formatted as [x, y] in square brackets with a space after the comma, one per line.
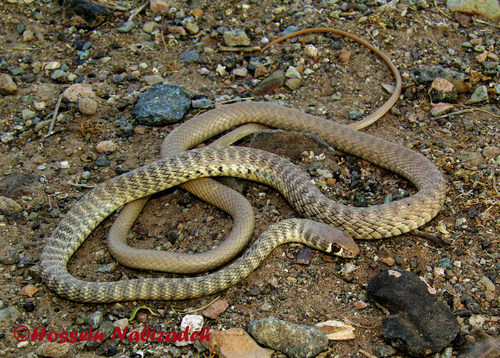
[335, 241]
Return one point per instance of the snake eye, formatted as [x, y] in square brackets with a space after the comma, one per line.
[336, 248]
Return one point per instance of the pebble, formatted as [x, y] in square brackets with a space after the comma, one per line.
[236, 37]
[53, 65]
[491, 152]
[445, 263]
[479, 95]
[441, 108]
[294, 340]
[428, 74]
[9, 207]
[74, 92]
[149, 27]
[216, 309]
[191, 57]
[355, 115]
[94, 319]
[192, 28]
[9, 314]
[293, 83]
[16, 71]
[384, 351]
[305, 256]
[235, 343]
[107, 268]
[160, 105]
[311, 51]
[53, 349]
[153, 80]
[7, 85]
[28, 290]
[289, 30]
[192, 323]
[28, 35]
[159, 6]
[292, 72]
[126, 27]
[9, 256]
[58, 75]
[102, 162]
[87, 106]
[105, 146]
[121, 323]
[270, 83]
[202, 103]
[240, 72]
[442, 90]
[220, 70]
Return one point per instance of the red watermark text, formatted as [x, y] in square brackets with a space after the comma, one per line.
[23, 333]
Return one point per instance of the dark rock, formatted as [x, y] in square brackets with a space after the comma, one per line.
[419, 323]
[102, 162]
[294, 340]
[443, 91]
[471, 304]
[190, 57]
[9, 207]
[255, 62]
[9, 256]
[120, 311]
[25, 262]
[270, 83]
[489, 348]
[83, 13]
[428, 74]
[17, 184]
[161, 105]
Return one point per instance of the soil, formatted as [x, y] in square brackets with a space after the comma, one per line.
[280, 287]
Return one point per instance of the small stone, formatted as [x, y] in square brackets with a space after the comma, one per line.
[305, 256]
[389, 88]
[235, 342]
[106, 146]
[83, 13]
[216, 309]
[491, 152]
[311, 51]
[270, 83]
[479, 95]
[389, 261]
[487, 284]
[292, 73]
[107, 268]
[7, 85]
[220, 70]
[192, 28]
[9, 207]
[153, 80]
[53, 349]
[241, 72]
[192, 323]
[121, 323]
[443, 91]
[53, 65]
[295, 341]
[87, 106]
[345, 56]
[9, 314]
[293, 83]
[289, 30]
[202, 103]
[359, 305]
[159, 6]
[102, 162]
[58, 75]
[191, 57]
[126, 27]
[74, 92]
[94, 319]
[29, 290]
[355, 115]
[441, 108]
[477, 321]
[384, 351]
[236, 37]
[149, 27]
[28, 35]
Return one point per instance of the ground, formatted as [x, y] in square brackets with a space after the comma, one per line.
[306, 294]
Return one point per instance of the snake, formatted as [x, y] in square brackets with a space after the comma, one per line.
[215, 193]
[375, 222]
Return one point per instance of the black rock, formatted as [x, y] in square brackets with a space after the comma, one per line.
[489, 348]
[161, 105]
[294, 340]
[190, 57]
[83, 13]
[419, 322]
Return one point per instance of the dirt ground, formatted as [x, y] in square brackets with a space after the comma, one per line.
[305, 294]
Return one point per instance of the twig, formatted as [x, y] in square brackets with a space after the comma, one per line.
[197, 309]
[452, 113]
[431, 237]
[367, 354]
[442, 12]
[478, 109]
[235, 100]
[138, 10]
[88, 186]
[487, 23]
[54, 116]
[239, 49]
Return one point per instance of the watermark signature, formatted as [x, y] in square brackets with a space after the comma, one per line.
[23, 333]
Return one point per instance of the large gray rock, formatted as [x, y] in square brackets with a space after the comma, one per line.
[161, 105]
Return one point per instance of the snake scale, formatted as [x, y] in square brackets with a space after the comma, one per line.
[380, 221]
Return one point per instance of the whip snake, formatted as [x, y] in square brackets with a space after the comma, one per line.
[379, 221]
[215, 194]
